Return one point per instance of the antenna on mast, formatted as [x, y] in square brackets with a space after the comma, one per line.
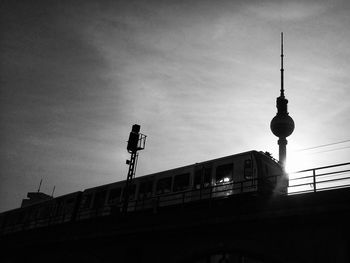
[282, 69]
[40, 184]
[53, 190]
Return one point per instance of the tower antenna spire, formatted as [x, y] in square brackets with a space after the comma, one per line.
[282, 69]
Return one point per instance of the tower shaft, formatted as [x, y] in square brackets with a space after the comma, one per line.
[282, 149]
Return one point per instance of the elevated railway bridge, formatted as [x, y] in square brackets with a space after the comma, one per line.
[310, 224]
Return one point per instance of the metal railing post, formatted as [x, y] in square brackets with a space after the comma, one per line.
[211, 192]
[314, 179]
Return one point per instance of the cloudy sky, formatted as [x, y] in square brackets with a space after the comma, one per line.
[200, 77]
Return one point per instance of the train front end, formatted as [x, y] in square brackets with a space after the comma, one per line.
[272, 179]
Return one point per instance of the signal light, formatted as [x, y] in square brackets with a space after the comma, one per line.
[133, 138]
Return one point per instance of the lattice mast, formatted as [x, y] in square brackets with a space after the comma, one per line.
[136, 143]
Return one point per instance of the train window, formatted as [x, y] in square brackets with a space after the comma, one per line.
[132, 191]
[70, 201]
[181, 182]
[207, 177]
[21, 217]
[197, 182]
[145, 190]
[114, 195]
[248, 169]
[163, 186]
[59, 208]
[45, 211]
[201, 180]
[224, 173]
[99, 199]
[87, 202]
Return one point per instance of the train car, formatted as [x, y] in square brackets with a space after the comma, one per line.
[55, 211]
[107, 199]
[95, 202]
[249, 172]
[219, 178]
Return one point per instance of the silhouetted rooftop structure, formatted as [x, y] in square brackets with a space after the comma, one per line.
[34, 198]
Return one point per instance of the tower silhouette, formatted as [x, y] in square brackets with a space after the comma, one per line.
[282, 125]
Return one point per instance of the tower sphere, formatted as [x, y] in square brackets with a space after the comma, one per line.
[282, 125]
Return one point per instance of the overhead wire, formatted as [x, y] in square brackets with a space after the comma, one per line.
[331, 150]
[325, 145]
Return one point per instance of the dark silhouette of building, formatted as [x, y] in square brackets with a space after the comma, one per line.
[34, 198]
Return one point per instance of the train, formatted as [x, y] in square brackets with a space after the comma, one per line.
[251, 172]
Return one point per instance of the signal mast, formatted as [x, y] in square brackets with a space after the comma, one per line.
[282, 125]
[136, 143]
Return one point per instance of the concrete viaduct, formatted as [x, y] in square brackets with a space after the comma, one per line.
[312, 227]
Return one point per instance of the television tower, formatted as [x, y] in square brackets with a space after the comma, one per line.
[282, 125]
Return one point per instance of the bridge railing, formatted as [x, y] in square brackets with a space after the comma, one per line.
[319, 179]
[176, 198]
[219, 190]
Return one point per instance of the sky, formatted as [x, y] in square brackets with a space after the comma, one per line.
[200, 77]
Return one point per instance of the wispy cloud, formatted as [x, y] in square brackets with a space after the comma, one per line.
[294, 10]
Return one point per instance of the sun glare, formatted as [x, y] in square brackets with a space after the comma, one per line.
[296, 162]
